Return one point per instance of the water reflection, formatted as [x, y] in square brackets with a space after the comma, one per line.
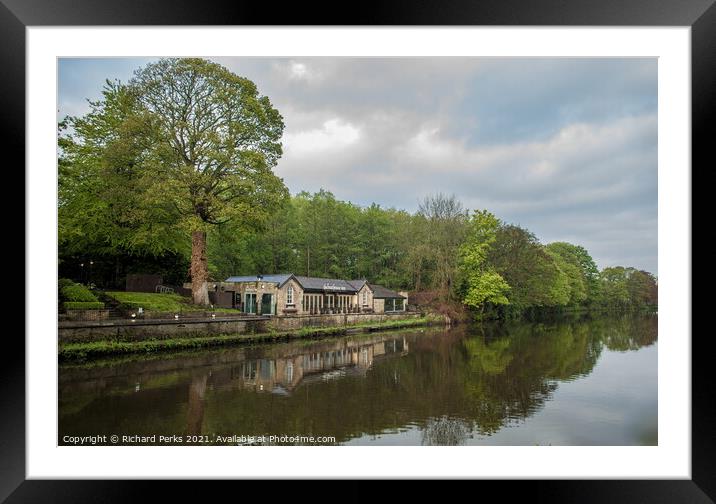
[431, 386]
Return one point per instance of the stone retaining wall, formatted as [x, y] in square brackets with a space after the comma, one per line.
[156, 329]
[86, 315]
[294, 322]
[139, 330]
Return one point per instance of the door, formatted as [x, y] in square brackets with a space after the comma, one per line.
[250, 304]
[266, 304]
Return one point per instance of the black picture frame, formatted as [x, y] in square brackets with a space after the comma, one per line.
[700, 15]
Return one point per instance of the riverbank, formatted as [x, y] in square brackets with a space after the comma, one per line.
[80, 351]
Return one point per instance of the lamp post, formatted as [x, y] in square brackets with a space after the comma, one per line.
[82, 272]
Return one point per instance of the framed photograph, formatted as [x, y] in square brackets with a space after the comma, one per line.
[431, 244]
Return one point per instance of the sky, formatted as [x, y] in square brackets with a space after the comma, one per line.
[566, 148]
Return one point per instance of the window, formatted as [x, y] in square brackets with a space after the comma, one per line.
[289, 295]
[365, 298]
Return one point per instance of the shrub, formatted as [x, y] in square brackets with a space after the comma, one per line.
[64, 282]
[76, 292]
[83, 305]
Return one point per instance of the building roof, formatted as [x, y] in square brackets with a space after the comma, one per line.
[321, 284]
[307, 283]
[325, 284]
[277, 279]
[358, 284]
[380, 292]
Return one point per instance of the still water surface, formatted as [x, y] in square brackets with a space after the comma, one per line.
[586, 382]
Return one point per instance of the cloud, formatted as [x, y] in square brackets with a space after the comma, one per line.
[334, 135]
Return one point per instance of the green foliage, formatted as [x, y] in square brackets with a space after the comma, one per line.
[533, 274]
[479, 282]
[83, 305]
[103, 178]
[149, 301]
[486, 287]
[168, 302]
[186, 145]
[318, 235]
[214, 143]
[77, 292]
[580, 269]
[642, 287]
[566, 286]
[623, 288]
[64, 282]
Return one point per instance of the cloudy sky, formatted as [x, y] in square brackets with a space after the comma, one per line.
[564, 147]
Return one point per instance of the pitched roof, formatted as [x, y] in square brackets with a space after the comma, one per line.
[277, 279]
[321, 284]
[380, 292]
[329, 284]
[308, 283]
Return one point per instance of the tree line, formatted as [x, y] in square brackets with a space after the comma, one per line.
[492, 266]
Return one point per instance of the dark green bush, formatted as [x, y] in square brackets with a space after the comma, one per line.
[64, 282]
[83, 305]
[76, 292]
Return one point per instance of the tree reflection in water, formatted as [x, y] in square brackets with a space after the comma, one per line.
[448, 383]
[445, 431]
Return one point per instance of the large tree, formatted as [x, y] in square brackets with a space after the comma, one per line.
[216, 145]
[446, 222]
[200, 144]
[642, 288]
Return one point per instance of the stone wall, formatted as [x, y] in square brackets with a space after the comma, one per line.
[379, 305]
[155, 329]
[139, 330]
[369, 298]
[281, 307]
[290, 323]
[85, 315]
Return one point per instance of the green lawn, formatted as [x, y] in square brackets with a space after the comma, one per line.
[150, 301]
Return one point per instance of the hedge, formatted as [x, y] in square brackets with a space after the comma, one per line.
[77, 292]
[83, 305]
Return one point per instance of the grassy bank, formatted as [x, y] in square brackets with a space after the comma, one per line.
[157, 302]
[82, 351]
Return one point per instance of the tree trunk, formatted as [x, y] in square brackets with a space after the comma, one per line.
[199, 269]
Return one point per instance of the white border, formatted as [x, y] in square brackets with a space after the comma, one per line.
[670, 459]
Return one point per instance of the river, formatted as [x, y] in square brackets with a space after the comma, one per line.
[588, 381]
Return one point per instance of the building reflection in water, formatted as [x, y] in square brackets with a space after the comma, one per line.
[282, 375]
